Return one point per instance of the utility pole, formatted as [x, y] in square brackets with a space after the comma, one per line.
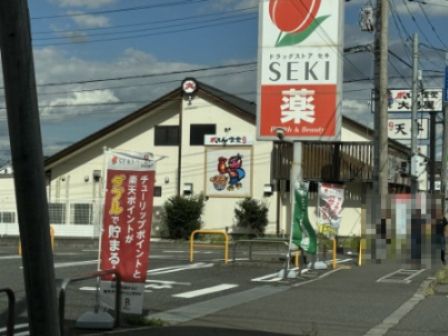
[415, 220]
[444, 172]
[414, 125]
[27, 162]
[381, 153]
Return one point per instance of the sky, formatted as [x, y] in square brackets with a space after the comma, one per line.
[81, 45]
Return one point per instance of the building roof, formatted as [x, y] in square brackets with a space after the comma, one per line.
[241, 107]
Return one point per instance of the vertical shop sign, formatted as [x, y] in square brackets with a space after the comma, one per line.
[126, 230]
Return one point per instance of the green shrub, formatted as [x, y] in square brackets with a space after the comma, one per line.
[252, 215]
[182, 215]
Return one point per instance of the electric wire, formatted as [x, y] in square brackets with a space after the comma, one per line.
[121, 10]
[146, 23]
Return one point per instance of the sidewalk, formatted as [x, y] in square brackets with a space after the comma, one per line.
[344, 303]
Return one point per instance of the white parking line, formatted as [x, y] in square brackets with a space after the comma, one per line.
[178, 268]
[272, 277]
[205, 291]
[16, 327]
[23, 333]
[10, 257]
[186, 252]
[88, 289]
[403, 272]
[75, 263]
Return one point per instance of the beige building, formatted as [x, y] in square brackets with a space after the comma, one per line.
[175, 127]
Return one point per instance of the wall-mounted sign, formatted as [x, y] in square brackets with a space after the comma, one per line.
[227, 140]
[400, 129]
[429, 100]
[300, 69]
[228, 171]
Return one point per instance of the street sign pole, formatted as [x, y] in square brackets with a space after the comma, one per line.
[444, 172]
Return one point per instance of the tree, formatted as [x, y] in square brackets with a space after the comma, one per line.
[182, 215]
[252, 215]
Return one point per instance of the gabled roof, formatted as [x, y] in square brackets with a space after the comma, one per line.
[243, 108]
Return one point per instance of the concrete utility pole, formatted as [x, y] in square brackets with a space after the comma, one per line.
[414, 124]
[27, 162]
[444, 173]
[381, 164]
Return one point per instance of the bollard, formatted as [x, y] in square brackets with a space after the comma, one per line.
[334, 253]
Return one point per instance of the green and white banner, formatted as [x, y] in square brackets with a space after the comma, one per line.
[303, 234]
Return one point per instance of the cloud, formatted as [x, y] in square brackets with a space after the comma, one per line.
[77, 99]
[83, 3]
[89, 21]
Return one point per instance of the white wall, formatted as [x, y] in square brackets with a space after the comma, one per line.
[219, 212]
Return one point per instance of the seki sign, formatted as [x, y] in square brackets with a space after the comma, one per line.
[300, 69]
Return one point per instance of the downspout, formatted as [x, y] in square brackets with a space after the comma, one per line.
[179, 155]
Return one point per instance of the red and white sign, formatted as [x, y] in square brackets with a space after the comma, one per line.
[126, 230]
[300, 69]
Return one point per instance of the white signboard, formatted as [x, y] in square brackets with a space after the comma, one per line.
[228, 140]
[300, 69]
[429, 100]
[400, 129]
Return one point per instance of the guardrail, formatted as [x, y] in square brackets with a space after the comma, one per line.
[255, 241]
[11, 310]
[216, 232]
[67, 281]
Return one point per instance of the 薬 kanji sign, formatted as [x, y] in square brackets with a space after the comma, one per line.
[300, 69]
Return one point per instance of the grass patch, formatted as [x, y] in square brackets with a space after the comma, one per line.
[442, 276]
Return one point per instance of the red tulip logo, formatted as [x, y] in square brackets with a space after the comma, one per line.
[296, 19]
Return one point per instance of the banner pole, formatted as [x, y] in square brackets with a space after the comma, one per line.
[318, 220]
[106, 153]
[296, 176]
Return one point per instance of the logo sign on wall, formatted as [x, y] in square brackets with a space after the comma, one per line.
[228, 171]
[300, 69]
[400, 129]
[429, 100]
[127, 216]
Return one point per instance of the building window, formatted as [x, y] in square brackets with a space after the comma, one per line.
[157, 191]
[56, 213]
[198, 131]
[81, 213]
[166, 136]
[7, 217]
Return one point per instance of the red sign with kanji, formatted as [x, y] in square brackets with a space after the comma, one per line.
[300, 110]
[127, 223]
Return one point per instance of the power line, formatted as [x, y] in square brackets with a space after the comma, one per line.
[121, 10]
[147, 34]
[166, 26]
[416, 23]
[150, 75]
[396, 21]
[146, 22]
[431, 25]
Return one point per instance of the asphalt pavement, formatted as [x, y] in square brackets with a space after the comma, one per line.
[207, 297]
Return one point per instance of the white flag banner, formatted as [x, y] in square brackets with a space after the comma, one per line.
[331, 199]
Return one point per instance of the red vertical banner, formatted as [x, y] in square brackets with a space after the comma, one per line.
[126, 232]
